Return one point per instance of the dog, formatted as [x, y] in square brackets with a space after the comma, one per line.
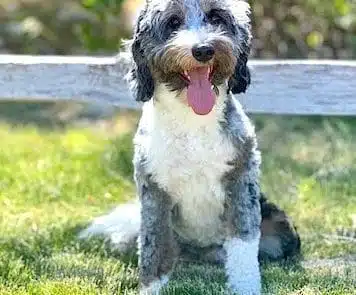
[196, 161]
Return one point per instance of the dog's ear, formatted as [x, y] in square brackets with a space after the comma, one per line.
[142, 84]
[241, 78]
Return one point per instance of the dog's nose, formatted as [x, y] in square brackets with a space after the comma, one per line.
[203, 53]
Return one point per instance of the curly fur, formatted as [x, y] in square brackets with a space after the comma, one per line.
[197, 177]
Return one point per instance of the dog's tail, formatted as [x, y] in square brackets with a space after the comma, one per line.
[120, 227]
[279, 237]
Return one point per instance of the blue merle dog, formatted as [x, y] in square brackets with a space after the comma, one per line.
[196, 160]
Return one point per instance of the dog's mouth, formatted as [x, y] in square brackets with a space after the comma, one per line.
[200, 89]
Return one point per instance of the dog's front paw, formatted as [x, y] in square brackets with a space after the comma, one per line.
[155, 286]
[242, 267]
[245, 288]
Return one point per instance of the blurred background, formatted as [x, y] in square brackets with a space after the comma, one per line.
[61, 164]
[282, 28]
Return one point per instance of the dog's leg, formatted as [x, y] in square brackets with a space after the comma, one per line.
[244, 218]
[157, 248]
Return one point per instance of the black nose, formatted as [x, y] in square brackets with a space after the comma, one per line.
[203, 53]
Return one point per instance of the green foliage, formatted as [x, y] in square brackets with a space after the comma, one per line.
[101, 37]
[61, 26]
[305, 28]
[282, 28]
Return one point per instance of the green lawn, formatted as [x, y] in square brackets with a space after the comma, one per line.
[54, 181]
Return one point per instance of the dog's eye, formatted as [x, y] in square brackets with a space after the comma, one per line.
[174, 23]
[170, 26]
[215, 19]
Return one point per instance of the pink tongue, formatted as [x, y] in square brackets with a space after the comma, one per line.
[200, 95]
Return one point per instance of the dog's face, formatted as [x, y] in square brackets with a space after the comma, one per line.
[193, 46]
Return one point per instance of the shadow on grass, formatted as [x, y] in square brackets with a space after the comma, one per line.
[306, 125]
[57, 253]
[52, 115]
[54, 240]
[49, 114]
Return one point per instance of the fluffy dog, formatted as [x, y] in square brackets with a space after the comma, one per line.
[196, 160]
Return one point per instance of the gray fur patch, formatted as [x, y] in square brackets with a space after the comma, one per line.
[157, 246]
[242, 207]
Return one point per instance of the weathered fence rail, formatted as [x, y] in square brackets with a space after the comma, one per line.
[301, 87]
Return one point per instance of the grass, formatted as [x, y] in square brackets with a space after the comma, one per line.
[54, 181]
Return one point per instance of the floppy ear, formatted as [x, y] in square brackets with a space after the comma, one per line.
[142, 84]
[241, 78]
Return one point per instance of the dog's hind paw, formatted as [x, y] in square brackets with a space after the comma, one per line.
[154, 287]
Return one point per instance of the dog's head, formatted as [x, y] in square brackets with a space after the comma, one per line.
[193, 46]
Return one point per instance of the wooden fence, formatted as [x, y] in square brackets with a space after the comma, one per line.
[301, 87]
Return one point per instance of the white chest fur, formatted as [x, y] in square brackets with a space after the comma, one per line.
[187, 156]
